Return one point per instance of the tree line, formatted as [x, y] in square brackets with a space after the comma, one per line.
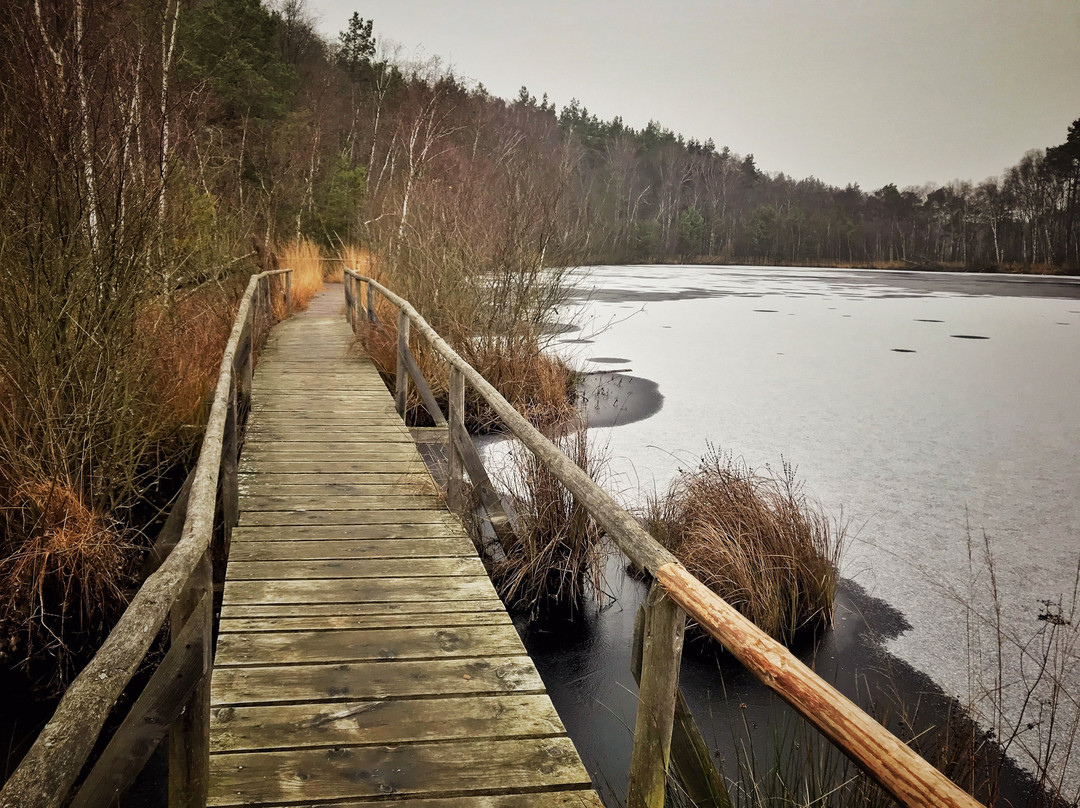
[218, 128]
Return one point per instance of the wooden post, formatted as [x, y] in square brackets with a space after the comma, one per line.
[691, 761]
[189, 739]
[369, 296]
[350, 302]
[660, 660]
[288, 294]
[455, 424]
[402, 391]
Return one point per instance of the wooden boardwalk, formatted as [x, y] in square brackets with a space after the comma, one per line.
[363, 654]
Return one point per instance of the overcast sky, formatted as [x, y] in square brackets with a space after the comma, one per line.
[905, 91]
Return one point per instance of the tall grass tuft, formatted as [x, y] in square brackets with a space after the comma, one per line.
[305, 260]
[754, 539]
[556, 557]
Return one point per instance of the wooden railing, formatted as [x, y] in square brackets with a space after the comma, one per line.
[674, 595]
[176, 699]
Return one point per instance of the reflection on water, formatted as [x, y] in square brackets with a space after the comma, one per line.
[928, 408]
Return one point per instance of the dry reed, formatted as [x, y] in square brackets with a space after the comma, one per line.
[305, 260]
[555, 558]
[754, 539]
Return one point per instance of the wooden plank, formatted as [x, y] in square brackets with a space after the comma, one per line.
[442, 619]
[304, 452]
[374, 532]
[283, 491]
[382, 722]
[323, 518]
[243, 551]
[354, 568]
[362, 645]
[386, 589]
[357, 434]
[379, 608]
[412, 476]
[389, 466]
[294, 502]
[405, 770]
[285, 684]
[540, 799]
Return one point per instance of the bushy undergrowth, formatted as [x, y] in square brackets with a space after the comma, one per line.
[507, 350]
[754, 539]
[556, 556]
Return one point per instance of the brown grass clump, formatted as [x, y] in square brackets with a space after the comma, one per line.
[754, 539]
[556, 558]
[305, 261]
[68, 570]
[358, 259]
[186, 337]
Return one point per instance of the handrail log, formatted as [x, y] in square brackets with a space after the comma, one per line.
[46, 774]
[638, 545]
[894, 765]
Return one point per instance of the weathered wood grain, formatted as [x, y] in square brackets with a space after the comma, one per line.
[293, 502]
[347, 591]
[374, 532]
[402, 770]
[368, 723]
[413, 476]
[355, 568]
[543, 799]
[387, 609]
[284, 684]
[403, 465]
[369, 621]
[316, 550]
[399, 516]
[361, 645]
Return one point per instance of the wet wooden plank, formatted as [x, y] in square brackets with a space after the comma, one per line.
[248, 550]
[412, 477]
[384, 609]
[442, 619]
[335, 682]
[354, 568]
[543, 799]
[400, 465]
[373, 532]
[404, 516]
[293, 502]
[361, 645]
[421, 769]
[382, 722]
[347, 591]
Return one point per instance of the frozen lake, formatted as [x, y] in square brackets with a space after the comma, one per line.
[927, 408]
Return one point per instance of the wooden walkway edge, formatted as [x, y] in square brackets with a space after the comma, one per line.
[363, 653]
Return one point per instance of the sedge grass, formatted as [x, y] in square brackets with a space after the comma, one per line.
[555, 557]
[754, 539]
